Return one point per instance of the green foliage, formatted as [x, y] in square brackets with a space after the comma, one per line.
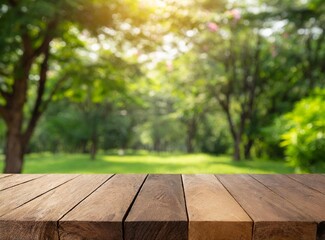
[305, 139]
[269, 146]
[213, 134]
[162, 75]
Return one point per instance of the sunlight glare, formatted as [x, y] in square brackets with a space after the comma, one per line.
[154, 3]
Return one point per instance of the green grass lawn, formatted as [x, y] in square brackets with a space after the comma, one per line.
[147, 163]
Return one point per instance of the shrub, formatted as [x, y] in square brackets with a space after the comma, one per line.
[304, 142]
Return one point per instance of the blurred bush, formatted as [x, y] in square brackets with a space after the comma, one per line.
[304, 141]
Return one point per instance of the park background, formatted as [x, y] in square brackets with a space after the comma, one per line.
[162, 86]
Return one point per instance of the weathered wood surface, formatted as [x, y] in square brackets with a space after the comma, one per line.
[310, 180]
[5, 175]
[100, 216]
[131, 206]
[47, 209]
[273, 216]
[307, 200]
[17, 196]
[17, 179]
[159, 211]
[212, 211]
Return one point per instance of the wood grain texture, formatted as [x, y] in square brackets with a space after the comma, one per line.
[5, 175]
[315, 181]
[307, 200]
[282, 207]
[213, 213]
[159, 210]
[17, 179]
[38, 218]
[274, 217]
[14, 197]
[100, 216]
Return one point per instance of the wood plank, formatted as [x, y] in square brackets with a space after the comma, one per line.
[4, 175]
[274, 218]
[213, 213]
[17, 179]
[307, 200]
[159, 210]
[100, 216]
[14, 197]
[315, 181]
[37, 219]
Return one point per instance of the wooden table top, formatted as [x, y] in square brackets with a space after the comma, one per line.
[135, 206]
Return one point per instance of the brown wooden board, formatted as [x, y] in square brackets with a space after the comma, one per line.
[307, 200]
[315, 181]
[37, 219]
[100, 216]
[213, 213]
[159, 210]
[14, 197]
[274, 217]
[5, 175]
[17, 179]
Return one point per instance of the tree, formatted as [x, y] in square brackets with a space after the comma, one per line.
[230, 54]
[28, 29]
[251, 68]
[103, 92]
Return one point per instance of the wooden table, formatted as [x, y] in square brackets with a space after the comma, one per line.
[130, 206]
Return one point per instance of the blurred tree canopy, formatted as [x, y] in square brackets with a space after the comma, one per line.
[32, 35]
[163, 75]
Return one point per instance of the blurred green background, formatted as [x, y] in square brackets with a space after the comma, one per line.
[162, 86]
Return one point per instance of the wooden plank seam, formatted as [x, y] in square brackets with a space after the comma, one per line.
[40, 195]
[253, 222]
[304, 190]
[130, 207]
[300, 225]
[320, 235]
[276, 193]
[163, 215]
[23, 182]
[6, 175]
[57, 222]
[301, 182]
[283, 199]
[186, 209]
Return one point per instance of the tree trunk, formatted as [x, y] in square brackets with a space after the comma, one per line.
[248, 147]
[93, 151]
[189, 145]
[237, 142]
[93, 148]
[236, 135]
[13, 111]
[157, 145]
[14, 149]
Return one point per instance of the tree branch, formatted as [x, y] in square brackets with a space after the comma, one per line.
[37, 111]
[27, 44]
[47, 38]
[54, 90]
